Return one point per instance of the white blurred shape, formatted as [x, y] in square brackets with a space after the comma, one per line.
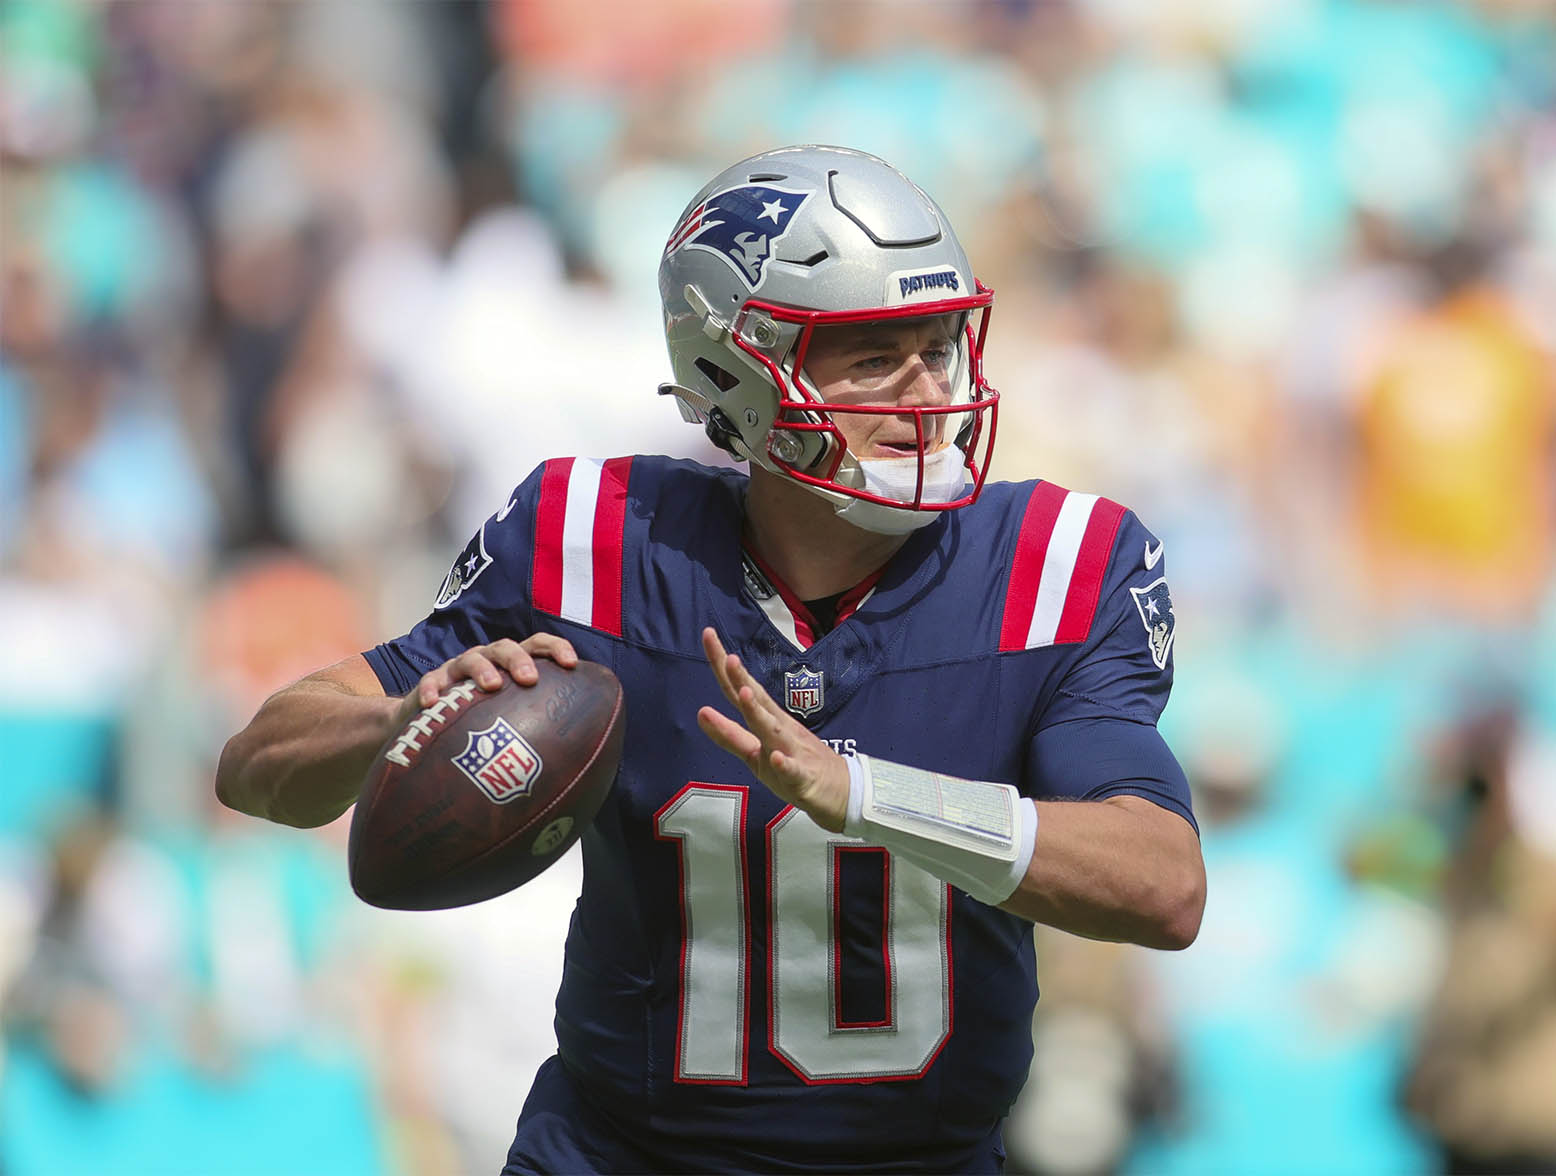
[377, 48]
[23, 892]
[254, 968]
[1074, 1119]
[1240, 300]
[135, 922]
[70, 647]
[1400, 161]
[387, 294]
[340, 475]
[1531, 786]
[633, 213]
[261, 191]
[1388, 962]
[46, 107]
[1190, 21]
[517, 365]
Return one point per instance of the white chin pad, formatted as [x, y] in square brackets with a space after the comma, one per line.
[945, 473]
[945, 479]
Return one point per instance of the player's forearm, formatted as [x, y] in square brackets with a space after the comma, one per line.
[302, 758]
[1121, 869]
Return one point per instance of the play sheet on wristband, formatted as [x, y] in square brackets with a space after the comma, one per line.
[973, 808]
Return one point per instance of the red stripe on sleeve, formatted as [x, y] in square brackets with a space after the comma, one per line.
[1026, 568]
[610, 515]
[550, 513]
[1091, 564]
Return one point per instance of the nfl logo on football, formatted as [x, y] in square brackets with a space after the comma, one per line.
[500, 762]
[804, 691]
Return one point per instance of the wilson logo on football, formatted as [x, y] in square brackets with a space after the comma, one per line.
[500, 762]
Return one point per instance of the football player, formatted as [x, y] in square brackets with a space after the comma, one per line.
[803, 938]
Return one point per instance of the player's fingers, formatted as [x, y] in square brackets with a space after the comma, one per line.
[432, 684]
[740, 678]
[729, 735]
[787, 767]
[713, 650]
[475, 665]
[766, 725]
[801, 780]
[515, 658]
[558, 649]
[435, 682]
[409, 706]
[732, 674]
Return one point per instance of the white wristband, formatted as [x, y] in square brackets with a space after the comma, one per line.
[976, 835]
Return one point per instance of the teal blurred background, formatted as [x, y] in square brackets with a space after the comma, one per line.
[291, 294]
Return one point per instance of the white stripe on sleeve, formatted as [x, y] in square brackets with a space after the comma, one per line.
[583, 494]
[1053, 588]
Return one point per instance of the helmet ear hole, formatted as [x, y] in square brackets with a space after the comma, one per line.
[721, 378]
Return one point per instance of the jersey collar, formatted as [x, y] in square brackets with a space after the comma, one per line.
[787, 612]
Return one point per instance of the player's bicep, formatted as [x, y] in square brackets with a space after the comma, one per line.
[350, 675]
[1124, 666]
[1104, 757]
[1096, 737]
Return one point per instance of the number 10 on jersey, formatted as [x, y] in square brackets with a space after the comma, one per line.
[806, 1031]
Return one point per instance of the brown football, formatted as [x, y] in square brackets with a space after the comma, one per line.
[481, 792]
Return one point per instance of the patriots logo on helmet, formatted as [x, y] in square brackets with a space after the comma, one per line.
[1155, 606]
[741, 225]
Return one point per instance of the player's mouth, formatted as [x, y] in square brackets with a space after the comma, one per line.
[908, 448]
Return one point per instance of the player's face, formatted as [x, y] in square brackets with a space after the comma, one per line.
[905, 362]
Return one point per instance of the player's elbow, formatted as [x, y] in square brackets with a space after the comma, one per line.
[250, 774]
[1182, 908]
[234, 787]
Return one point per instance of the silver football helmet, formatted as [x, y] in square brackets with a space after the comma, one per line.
[802, 237]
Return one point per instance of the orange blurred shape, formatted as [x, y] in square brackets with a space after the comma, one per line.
[272, 620]
[617, 41]
[1456, 468]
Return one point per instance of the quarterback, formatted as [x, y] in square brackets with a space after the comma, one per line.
[882, 714]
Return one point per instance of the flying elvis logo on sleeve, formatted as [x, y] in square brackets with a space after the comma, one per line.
[1155, 606]
[470, 563]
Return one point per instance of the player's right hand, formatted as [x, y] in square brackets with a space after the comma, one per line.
[484, 665]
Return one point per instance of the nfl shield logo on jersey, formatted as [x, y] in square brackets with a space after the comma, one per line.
[499, 761]
[804, 691]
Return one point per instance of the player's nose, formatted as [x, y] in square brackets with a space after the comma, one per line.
[924, 386]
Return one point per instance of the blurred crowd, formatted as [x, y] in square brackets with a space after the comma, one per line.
[292, 293]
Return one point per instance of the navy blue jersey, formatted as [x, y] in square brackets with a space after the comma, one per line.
[743, 989]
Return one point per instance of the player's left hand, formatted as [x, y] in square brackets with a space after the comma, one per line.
[796, 765]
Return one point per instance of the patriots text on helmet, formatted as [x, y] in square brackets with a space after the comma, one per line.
[945, 279]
